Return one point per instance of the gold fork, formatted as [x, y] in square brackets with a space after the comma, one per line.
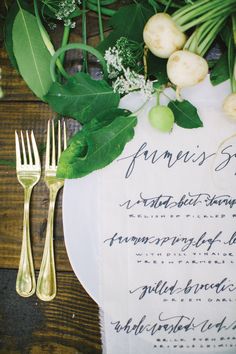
[28, 171]
[46, 284]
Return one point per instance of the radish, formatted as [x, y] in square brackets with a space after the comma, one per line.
[164, 34]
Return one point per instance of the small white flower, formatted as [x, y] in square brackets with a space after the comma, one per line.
[65, 9]
[114, 62]
[131, 81]
[126, 80]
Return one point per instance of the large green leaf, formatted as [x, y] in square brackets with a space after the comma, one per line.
[8, 26]
[104, 118]
[8, 33]
[82, 97]
[129, 22]
[186, 115]
[32, 56]
[95, 149]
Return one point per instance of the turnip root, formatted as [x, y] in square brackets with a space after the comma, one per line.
[185, 68]
[229, 105]
[162, 36]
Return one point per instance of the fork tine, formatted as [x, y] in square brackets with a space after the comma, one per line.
[64, 131]
[59, 141]
[47, 161]
[18, 157]
[23, 148]
[53, 146]
[35, 150]
[29, 148]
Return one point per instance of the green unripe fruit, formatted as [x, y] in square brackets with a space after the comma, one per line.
[161, 118]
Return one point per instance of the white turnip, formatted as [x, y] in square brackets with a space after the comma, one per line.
[185, 68]
[162, 36]
[229, 105]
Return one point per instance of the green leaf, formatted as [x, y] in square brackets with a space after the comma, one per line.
[225, 34]
[186, 115]
[134, 17]
[32, 56]
[104, 118]
[157, 68]
[10, 18]
[92, 150]
[82, 97]
[8, 34]
[220, 71]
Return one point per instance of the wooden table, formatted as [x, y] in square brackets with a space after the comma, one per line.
[69, 324]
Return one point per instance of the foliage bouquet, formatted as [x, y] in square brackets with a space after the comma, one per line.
[151, 45]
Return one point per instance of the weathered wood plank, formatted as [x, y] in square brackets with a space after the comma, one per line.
[14, 88]
[66, 325]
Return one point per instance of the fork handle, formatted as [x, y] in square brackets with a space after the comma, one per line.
[46, 284]
[25, 281]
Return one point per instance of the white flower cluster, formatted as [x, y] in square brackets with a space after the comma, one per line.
[125, 80]
[131, 81]
[1, 91]
[66, 7]
[114, 62]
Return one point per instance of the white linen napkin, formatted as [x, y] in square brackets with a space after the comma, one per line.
[168, 236]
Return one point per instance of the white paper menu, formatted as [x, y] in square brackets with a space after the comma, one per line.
[168, 237]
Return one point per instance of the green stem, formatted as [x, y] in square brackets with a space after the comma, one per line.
[45, 37]
[84, 36]
[233, 81]
[191, 15]
[232, 62]
[103, 2]
[210, 37]
[233, 72]
[187, 8]
[42, 30]
[173, 4]
[189, 11]
[234, 27]
[104, 10]
[158, 92]
[64, 41]
[192, 42]
[167, 6]
[153, 4]
[100, 21]
[223, 10]
[202, 38]
[83, 47]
